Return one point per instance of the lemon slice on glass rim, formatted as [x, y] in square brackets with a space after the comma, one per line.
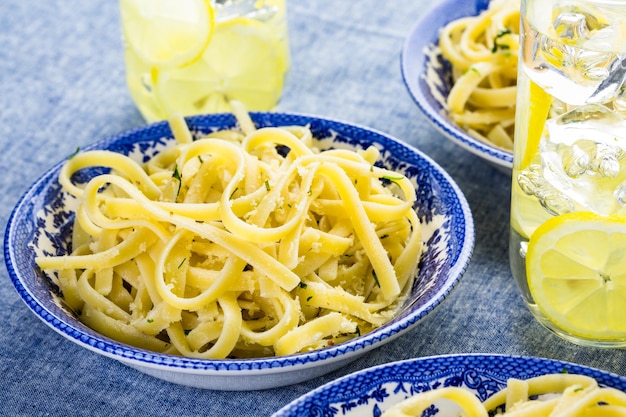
[244, 62]
[576, 269]
[167, 33]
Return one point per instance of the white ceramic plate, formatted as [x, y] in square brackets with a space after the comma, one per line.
[369, 392]
[416, 59]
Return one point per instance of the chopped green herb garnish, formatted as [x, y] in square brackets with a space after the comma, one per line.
[357, 331]
[150, 320]
[181, 263]
[309, 298]
[75, 152]
[302, 285]
[503, 32]
[267, 185]
[499, 46]
[375, 278]
[233, 193]
[384, 236]
[177, 176]
[390, 178]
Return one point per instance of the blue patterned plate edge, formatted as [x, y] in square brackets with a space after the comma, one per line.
[414, 61]
[367, 393]
[22, 229]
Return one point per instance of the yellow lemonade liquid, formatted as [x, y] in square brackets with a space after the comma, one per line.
[246, 58]
[570, 143]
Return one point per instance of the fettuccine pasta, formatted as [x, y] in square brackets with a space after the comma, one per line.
[483, 53]
[243, 243]
[552, 395]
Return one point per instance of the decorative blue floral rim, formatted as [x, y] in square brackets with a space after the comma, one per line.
[369, 392]
[415, 60]
[40, 223]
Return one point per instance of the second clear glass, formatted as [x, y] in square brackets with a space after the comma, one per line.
[568, 207]
[246, 59]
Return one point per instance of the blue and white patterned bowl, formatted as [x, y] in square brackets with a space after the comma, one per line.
[415, 62]
[369, 392]
[40, 223]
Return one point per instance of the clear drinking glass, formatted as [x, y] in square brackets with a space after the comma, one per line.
[195, 56]
[568, 206]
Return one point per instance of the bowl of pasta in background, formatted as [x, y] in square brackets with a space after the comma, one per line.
[371, 392]
[428, 77]
[41, 223]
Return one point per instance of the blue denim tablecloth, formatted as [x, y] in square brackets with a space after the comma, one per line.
[62, 86]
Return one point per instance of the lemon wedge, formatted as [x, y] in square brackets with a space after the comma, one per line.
[576, 269]
[167, 33]
[245, 61]
[538, 109]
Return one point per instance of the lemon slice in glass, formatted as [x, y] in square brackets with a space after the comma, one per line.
[167, 33]
[245, 61]
[576, 269]
[538, 108]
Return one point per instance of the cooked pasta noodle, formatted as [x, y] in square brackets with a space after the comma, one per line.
[229, 246]
[483, 51]
[552, 395]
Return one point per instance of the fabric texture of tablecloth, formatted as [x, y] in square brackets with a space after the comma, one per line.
[62, 86]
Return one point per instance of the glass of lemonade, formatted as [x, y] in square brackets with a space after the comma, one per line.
[195, 56]
[568, 207]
